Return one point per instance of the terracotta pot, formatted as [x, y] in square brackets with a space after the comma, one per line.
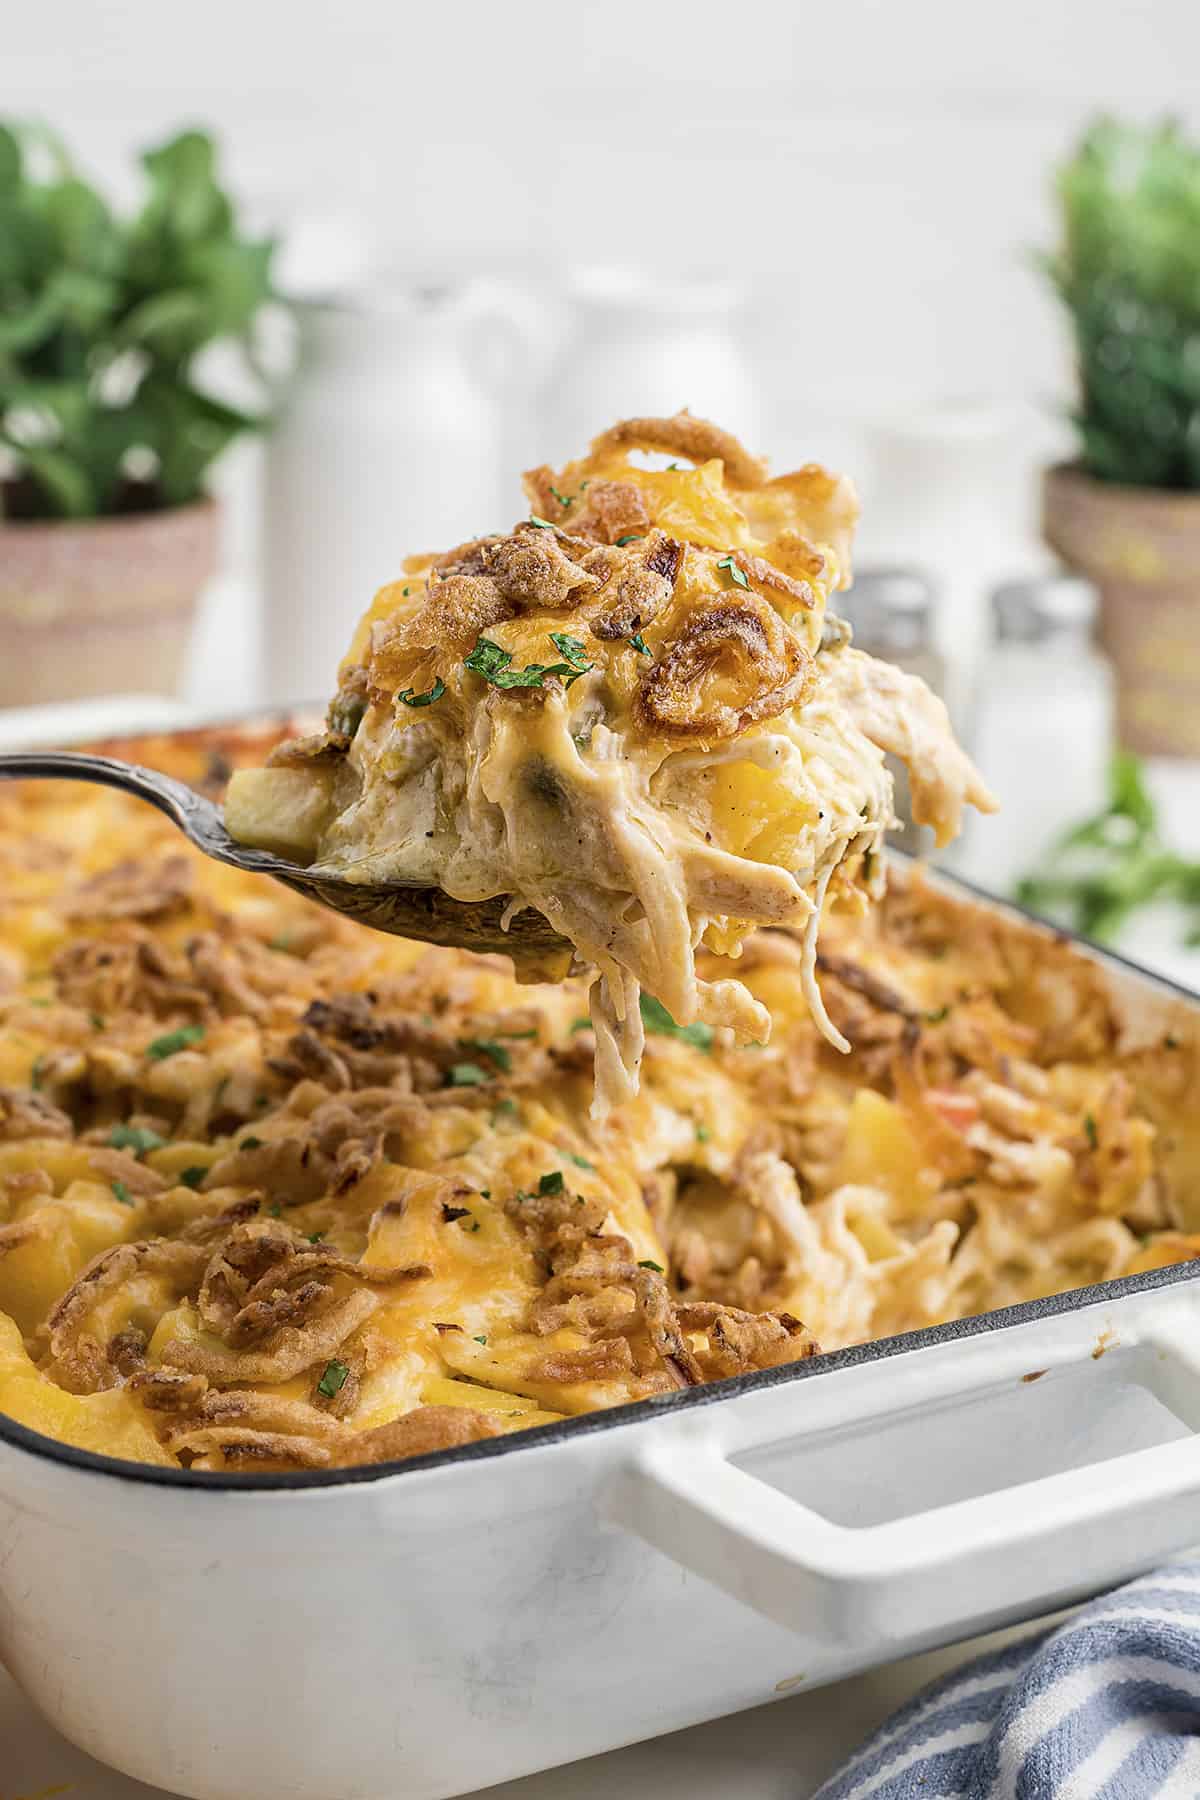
[1141, 549]
[100, 606]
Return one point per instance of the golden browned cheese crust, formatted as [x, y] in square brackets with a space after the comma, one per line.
[277, 1192]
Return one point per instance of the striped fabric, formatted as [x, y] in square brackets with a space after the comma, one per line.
[1104, 1707]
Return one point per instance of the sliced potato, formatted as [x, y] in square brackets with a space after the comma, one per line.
[281, 810]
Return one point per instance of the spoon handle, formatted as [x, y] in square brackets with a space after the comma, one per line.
[195, 816]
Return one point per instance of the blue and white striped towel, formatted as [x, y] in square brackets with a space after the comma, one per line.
[1104, 1707]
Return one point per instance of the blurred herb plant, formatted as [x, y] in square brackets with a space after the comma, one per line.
[1104, 869]
[1128, 272]
[102, 322]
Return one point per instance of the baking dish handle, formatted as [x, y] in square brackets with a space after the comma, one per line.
[993, 1557]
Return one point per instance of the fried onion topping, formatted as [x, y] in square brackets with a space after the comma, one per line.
[734, 663]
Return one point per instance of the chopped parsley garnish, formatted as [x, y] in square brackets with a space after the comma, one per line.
[282, 942]
[573, 648]
[487, 658]
[505, 1109]
[489, 1048]
[97, 1021]
[250, 1143]
[36, 1073]
[193, 1177]
[333, 1380]
[314, 1237]
[736, 574]
[702, 1134]
[466, 1074]
[122, 1193]
[481, 1340]
[935, 1018]
[582, 1023]
[659, 1023]
[581, 1162]
[173, 1042]
[639, 643]
[542, 524]
[492, 662]
[646, 1263]
[275, 1210]
[1089, 1125]
[630, 537]
[427, 698]
[136, 1138]
[564, 500]
[552, 1183]
[516, 1035]
[474, 1226]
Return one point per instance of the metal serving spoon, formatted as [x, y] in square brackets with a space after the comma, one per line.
[405, 909]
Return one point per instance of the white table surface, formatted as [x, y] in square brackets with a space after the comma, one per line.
[777, 1752]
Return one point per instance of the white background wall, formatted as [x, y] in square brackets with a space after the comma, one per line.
[877, 169]
[876, 173]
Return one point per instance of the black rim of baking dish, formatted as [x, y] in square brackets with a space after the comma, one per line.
[634, 1412]
[708, 1393]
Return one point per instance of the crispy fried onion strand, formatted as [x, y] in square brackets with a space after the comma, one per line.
[734, 663]
[684, 435]
[271, 1297]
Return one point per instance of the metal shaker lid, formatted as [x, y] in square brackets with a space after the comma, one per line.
[891, 609]
[1037, 607]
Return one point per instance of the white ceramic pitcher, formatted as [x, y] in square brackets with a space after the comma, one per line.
[391, 443]
[640, 344]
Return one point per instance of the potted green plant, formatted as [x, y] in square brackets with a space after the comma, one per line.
[1126, 512]
[108, 428]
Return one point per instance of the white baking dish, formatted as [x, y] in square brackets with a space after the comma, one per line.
[522, 1602]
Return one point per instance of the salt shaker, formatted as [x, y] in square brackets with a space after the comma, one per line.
[943, 493]
[893, 613]
[1044, 726]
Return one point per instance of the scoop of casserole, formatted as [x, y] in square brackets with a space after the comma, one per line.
[632, 713]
